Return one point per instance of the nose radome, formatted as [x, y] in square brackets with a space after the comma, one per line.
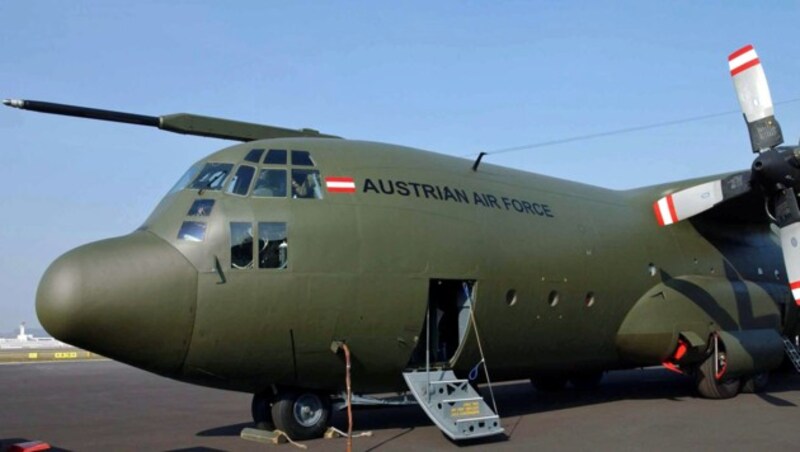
[129, 298]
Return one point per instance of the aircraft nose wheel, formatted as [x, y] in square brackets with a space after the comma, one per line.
[302, 414]
[307, 410]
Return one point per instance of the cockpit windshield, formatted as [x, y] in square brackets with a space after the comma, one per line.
[212, 176]
[187, 177]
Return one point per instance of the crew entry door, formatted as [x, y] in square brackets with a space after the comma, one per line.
[446, 322]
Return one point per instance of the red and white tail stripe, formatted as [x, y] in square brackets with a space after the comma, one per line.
[340, 184]
[743, 59]
[795, 286]
[665, 211]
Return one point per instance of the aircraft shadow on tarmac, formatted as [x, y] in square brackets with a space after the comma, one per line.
[519, 399]
[6, 443]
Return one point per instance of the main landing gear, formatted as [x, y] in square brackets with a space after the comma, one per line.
[712, 381]
[301, 414]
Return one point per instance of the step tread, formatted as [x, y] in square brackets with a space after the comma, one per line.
[444, 382]
[480, 418]
[462, 399]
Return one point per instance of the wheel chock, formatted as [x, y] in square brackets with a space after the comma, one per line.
[263, 436]
[269, 437]
[30, 446]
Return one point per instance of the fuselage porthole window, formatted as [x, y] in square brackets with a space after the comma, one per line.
[271, 183]
[212, 177]
[240, 183]
[275, 157]
[306, 184]
[302, 158]
[273, 245]
[241, 245]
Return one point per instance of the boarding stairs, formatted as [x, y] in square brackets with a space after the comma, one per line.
[453, 404]
[792, 353]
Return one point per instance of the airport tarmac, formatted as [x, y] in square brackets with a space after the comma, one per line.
[104, 405]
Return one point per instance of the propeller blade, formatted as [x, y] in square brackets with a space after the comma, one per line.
[788, 215]
[754, 98]
[699, 198]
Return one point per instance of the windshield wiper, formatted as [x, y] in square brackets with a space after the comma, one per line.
[211, 181]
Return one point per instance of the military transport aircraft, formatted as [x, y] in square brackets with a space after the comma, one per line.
[268, 255]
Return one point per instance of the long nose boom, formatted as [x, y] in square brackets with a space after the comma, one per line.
[129, 298]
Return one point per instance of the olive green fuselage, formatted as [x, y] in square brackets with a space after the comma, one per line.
[564, 275]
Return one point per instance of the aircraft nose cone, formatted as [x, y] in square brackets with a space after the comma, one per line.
[130, 298]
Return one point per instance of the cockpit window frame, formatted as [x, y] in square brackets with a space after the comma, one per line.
[228, 189]
[187, 178]
[218, 186]
[302, 158]
[266, 170]
[254, 155]
[272, 152]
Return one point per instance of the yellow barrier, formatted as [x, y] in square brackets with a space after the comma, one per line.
[26, 355]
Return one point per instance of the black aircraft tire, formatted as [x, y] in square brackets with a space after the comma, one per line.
[709, 387]
[586, 381]
[302, 414]
[261, 411]
[755, 384]
[549, 383]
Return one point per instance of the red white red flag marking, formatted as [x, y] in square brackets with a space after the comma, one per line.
[340, 184]
[665, 211]
[742, 59]
[795, 286]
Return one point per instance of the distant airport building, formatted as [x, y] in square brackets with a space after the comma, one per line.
[29, 341]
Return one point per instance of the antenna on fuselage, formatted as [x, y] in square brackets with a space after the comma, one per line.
[478, 161]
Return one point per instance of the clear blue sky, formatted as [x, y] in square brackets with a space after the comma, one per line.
[455, 77]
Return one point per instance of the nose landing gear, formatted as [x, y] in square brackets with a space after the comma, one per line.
[298, 413]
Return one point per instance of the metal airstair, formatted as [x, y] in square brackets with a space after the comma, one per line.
[792, 352]
[453, 404]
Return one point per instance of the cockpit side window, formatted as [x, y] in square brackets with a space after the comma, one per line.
[240, 183]
[275, 157]
[201, 208]
[270, 183]
[302, 158]
[241, 245]
[273, 245]
[193, 231]
[306, 184]
[212, 176]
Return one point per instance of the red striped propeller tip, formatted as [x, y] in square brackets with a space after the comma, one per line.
[742, 60]
[740, 52]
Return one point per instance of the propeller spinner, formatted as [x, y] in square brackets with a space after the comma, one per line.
[776, 170]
